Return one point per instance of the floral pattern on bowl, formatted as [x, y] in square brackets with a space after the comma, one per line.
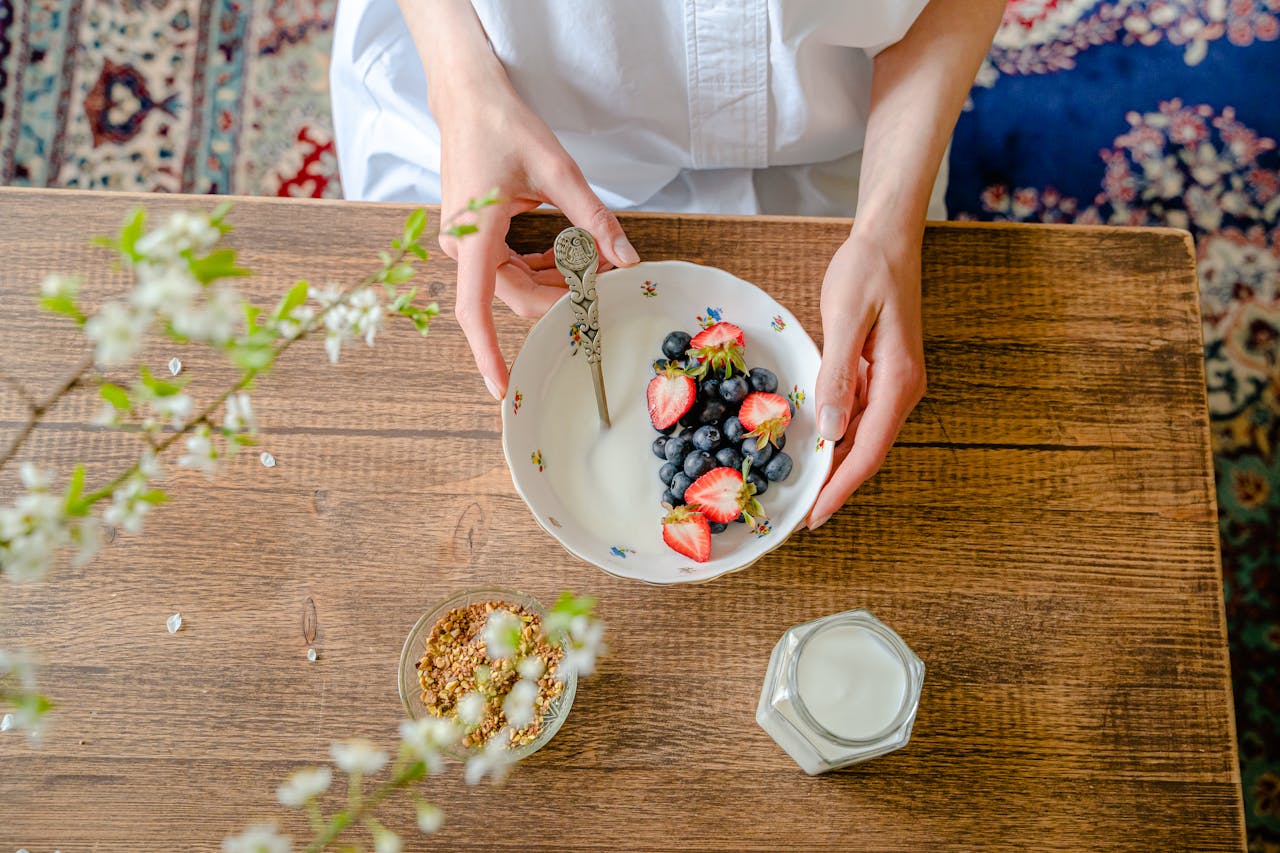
[691, 297]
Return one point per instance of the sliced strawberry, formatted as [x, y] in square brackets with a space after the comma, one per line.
[719, 349]
[723, 494]
[687, 532]
[765, 416]
[670, 394]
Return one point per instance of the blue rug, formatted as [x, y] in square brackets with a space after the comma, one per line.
[1166, 113]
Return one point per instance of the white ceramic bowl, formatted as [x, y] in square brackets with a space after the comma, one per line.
[598, 493]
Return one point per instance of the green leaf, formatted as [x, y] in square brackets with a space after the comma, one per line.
[154, 496]
[220, 213]
[489, 198]
[75, 488]
[252, 357]
[402, 301]
[64, 305]
[244, 440]
[385, 257]
[415, 225]
[33, 703]
[417, 250]
[461, 230]
[159, 387]
[220, 263]
[129, 234]
[400, 273]
[115, 395]
[104, 242]
[295, 297]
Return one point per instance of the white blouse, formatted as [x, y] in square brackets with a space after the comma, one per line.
[716, 106]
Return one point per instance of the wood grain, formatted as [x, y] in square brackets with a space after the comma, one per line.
[1043, 535]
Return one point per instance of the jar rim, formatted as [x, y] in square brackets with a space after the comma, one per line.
[863, 619]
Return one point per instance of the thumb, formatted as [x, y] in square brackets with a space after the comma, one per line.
[837, 386]
[583, 207]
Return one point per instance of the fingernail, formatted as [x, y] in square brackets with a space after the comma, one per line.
[493, 389]
[831, 424]
[815, 523]
[625, 251]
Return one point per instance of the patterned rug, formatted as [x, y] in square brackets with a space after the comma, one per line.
[1116, 111]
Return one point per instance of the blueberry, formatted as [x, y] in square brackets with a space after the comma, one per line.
[693, 417]
[667, 472]
[778, 468]
[709, 389]
[758, 455]
[763, 379]
[660, 446]
[761, 484]
[734, 389]
[670, 499]
[659, 366]
[718, 527]
[676, 448]
[729, 457]
[706, 438]
[676, 344]
[713, 411]
[733, 430]
[698, 463]
[781, 442]
[679, 483]
[669, 429]
[741, 519]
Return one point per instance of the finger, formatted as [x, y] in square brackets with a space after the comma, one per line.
[522, 295]
[569, 191]
[540, 260]
[890, 400]
[838, 377]
[838, 456]
[549, 278]
[479, 256]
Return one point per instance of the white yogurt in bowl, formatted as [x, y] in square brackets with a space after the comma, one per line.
[596, 489]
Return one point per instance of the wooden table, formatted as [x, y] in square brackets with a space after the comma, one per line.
[1043, 536]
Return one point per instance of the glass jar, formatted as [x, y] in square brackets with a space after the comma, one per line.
[840, 690]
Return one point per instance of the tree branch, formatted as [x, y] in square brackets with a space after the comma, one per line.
[38, 409]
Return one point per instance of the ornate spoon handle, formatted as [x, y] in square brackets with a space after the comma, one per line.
[577, 259]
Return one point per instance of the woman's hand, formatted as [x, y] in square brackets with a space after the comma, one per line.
[872, 372]
[491, 142]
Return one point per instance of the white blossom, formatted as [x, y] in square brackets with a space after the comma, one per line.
[6, 722]
[581, 647]
[427, 737]
[357, 756]
[531, 667]
[116, 331]
[20, 666]
[167, 288]
[359, 315]
[183, 232]
[364, 312]
[214, 321]
[201, 454]
[175, 409]
[501, 633]
[471, 708]
[430, 818]
[55, 285]
[33, 528]
[175, 366]
[173, 623]
[267, 460]
[128, 508]
[303, 785]
[239, 414]
[107, 416]
[494, 760]
[87, 534]
[386, 841]
[518, 705]
[260, 838]
[296, 321]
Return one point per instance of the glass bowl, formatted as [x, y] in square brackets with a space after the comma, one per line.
[415, 643]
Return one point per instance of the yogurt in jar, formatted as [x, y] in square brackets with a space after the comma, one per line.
[840, 690]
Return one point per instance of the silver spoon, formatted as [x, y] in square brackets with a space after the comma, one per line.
[578, 259]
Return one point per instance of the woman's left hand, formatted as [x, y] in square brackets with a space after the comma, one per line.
[872, 372]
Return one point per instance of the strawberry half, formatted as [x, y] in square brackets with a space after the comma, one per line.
[670, 394]
[686, 531]
[723, 494]
[719, 349]
[765, 416]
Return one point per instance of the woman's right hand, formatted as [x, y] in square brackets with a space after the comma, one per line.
[491, 141]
